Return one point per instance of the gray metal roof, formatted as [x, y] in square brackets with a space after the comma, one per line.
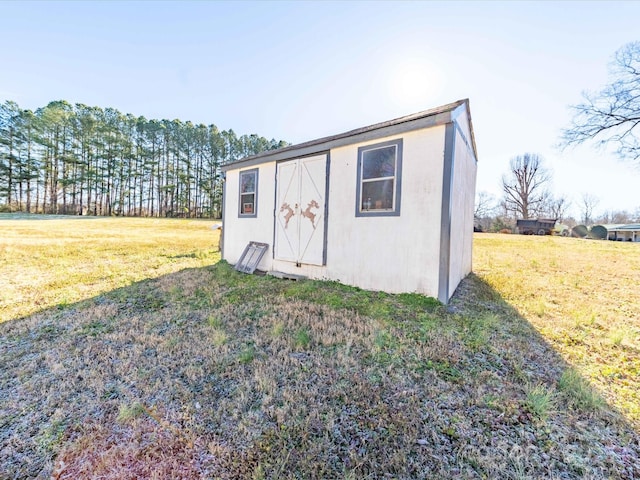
[427, 118]
[631, 227]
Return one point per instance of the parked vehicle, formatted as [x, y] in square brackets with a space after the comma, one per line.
[538, 226]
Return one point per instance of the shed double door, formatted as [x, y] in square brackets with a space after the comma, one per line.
[300, 210]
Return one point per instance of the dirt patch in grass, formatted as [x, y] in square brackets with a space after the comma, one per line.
[208, 373]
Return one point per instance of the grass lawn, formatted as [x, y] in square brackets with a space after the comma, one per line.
[129, 351]
[52, 261]
[582, 296]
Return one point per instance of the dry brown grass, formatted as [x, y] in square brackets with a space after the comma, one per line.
[207, 373]
[49, 260]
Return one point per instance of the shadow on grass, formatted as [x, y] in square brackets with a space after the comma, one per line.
[208, 373]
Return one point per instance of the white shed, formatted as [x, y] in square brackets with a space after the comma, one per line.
[386, 207]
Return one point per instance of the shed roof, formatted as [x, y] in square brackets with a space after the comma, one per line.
[427, 118]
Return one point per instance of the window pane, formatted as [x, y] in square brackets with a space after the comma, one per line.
[377, 195]
[246, 204]
[380, 162]
[247, 182]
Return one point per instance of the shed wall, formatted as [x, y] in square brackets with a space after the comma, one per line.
[463, 199]
[395, 253]
[238, 232]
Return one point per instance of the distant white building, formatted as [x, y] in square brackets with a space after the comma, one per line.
[625, 233]
[385, 207]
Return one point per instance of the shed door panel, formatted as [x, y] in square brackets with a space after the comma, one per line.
[300, 218]
[287, 241]
[313, 178]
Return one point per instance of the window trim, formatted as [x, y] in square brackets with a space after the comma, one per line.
[397, 180]
[254, 214]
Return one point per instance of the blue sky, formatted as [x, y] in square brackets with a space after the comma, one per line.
[302, 70]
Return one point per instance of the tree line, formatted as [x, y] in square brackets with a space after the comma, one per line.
[83, 160]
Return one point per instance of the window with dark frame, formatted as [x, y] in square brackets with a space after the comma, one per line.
[248, 193]
[379, 168]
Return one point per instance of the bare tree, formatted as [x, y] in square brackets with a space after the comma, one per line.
[558, 207]
[485, 210]
[612, 115]
[485, 204]
[589, 203]
[524, 185]
[614, 216]
[621, 216]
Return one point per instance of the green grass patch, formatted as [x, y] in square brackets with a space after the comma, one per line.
[96, 328]
[540, 401]
[278, 329]
[126, 413]
[219, 337]
[247, 354]
[477, 331]
[445, 369]
[51, 436]
[579, 392]
[214, 322]
[302, 338]
[418, 302]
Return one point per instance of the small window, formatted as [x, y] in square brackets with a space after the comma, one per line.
[248, 193]
[379, 179]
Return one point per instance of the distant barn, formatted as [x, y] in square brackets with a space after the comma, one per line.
[385, 207]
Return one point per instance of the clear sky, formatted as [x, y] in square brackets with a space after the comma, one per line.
[303, 70]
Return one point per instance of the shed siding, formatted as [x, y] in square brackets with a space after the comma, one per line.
[463, 198]
[238, 232]
[395, 254]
